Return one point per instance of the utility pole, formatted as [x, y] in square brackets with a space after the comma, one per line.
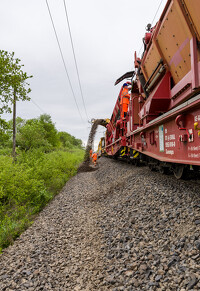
[14, 125]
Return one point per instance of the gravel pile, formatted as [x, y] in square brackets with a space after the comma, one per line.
[117, 228]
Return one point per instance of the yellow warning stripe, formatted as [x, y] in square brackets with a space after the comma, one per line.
[123, 152]
[136, 155]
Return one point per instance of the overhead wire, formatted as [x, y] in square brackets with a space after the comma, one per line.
[152, 21]
[66, 13]
[37, 105]
[156, 12]
[63, 61]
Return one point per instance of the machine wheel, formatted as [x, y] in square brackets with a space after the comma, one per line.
[179, 171]
[163, 169]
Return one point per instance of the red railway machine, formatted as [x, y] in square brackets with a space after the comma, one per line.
[162, 125]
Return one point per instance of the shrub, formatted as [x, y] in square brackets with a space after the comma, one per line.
[27, 185]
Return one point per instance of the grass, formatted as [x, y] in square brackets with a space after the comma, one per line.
[29, 184]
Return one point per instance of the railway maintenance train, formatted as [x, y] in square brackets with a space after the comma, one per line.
[162, 124]
[101, 147]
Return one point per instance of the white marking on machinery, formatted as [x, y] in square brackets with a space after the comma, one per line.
[161, 138]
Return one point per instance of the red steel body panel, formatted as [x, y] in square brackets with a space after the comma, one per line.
[163, 119]
[171, 144]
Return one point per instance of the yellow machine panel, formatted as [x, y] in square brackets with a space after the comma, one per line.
[174, 41]
[192, 8]
[101, 147]
[151, 60]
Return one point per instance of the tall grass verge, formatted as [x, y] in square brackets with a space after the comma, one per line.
[29, 184]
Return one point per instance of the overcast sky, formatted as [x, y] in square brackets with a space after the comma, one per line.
[105, 34]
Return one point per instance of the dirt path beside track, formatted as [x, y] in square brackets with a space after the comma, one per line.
[117, 228]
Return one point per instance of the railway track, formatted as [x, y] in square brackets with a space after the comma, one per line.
[120, 227]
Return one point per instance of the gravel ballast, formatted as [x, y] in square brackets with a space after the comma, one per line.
[117, 228]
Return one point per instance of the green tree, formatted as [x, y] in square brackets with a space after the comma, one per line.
[4, 135]
[32, 135]
[37, 132]
[12, 81]
[77, 142]
[65, 139]
[20, 122]
[13, 86]
[68, 140]
[51, 133]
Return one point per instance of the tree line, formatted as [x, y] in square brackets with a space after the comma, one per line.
[36, 133]
[20, 133]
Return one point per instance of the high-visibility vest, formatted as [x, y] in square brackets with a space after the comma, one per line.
[125, 97]
[94, 156]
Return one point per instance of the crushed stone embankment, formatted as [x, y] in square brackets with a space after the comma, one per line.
[117, 228]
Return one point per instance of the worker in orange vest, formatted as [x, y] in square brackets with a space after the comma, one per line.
[94, 158]
[124, 100]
